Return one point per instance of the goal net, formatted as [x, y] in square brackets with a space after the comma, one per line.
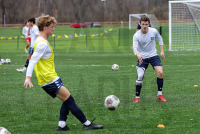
[135, 18]
[184, 25]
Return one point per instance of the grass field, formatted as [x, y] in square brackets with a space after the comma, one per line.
[86, 72]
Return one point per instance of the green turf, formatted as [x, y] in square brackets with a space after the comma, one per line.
[87, 73]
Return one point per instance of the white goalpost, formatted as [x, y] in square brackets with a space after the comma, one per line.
[184, 25]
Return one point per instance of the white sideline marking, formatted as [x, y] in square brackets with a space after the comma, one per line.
[185, 54]
[75, 65]
[183, 65]
[85, 65]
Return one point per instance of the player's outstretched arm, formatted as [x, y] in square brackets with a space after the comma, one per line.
[28, 82]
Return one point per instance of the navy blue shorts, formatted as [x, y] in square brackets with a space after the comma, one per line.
[154, 61]
[53, 88]
[30, 50]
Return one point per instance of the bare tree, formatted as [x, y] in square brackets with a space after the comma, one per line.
[77, 6]
[47, 7]
[3, 10]
[80, 11]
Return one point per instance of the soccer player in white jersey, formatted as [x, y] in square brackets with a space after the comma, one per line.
[42, 61]
[25, 33]
[33, 32]
[144, 47]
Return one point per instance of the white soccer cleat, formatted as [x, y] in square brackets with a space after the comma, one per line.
[21, 70]
[26, 50]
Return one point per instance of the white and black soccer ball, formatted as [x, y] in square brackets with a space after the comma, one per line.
[112, 102]
[4, 131]
[115, 67]
[8, 61]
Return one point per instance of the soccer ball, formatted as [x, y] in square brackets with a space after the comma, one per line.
[4, 131]
[112, 102]
[8, 61]
[3, 61]
[115, 67]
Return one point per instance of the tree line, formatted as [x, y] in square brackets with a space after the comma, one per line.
[80, 11]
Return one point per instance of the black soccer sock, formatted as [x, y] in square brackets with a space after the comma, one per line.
[76, 111]
[138, 89]
[64, 111]
[160, 83]
[27, 62]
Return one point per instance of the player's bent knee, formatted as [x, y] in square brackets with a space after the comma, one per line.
[63, 93]
[160, 74]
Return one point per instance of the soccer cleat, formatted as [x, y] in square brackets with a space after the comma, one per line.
[93, 126]
[136, 100]
[26, 50]
[160, 97]
[22, 70]
[62, 129]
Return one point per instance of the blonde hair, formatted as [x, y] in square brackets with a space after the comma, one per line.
[45, 20]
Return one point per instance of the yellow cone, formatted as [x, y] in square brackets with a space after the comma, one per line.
[66, 36]
[195, 85]
[161, 126]
[76, 35]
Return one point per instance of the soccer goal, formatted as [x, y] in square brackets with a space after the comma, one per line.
[135, 18]
[184, 25]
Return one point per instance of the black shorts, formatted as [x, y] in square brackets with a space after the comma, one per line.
[53, 88]
[30, 51]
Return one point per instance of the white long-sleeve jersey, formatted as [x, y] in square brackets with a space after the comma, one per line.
[25, 31]
[145, 44]
[34, 31]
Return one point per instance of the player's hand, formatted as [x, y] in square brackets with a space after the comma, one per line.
[28, 82]
[140, 58]
[163, 55]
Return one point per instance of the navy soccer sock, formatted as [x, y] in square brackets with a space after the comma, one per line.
[138, 89]
[64, 111]
[27, 62]
[76, 111]
[160, 83]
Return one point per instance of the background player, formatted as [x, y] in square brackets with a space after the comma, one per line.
[33, 32]
[144, 47]
[25, 33]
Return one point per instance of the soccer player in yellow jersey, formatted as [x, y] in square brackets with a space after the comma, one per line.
[42, 61]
